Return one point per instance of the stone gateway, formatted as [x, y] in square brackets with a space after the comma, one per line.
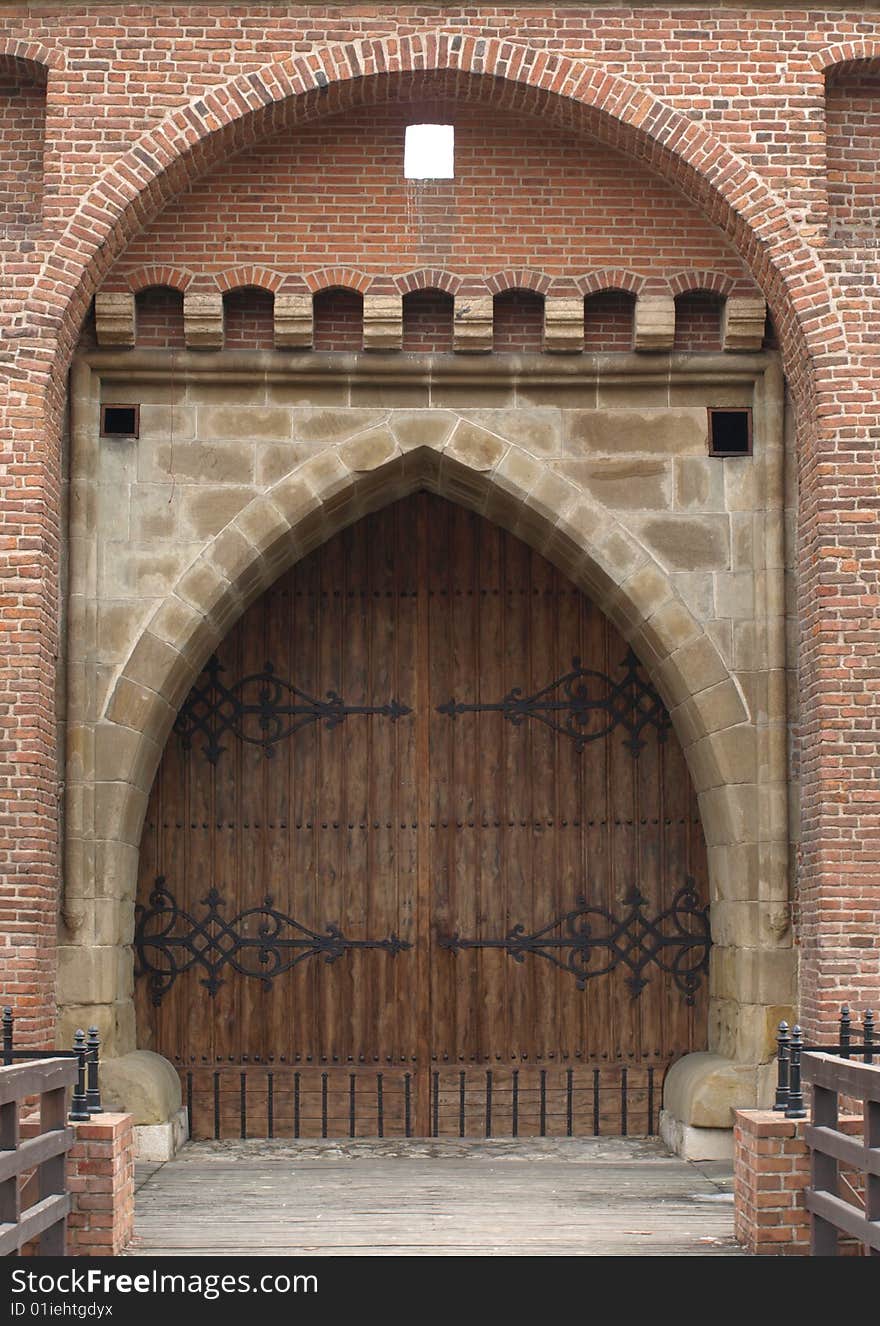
[440, 604]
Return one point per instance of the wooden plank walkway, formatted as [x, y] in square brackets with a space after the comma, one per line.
[566, 1197]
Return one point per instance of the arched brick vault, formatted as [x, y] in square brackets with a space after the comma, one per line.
[572, 93]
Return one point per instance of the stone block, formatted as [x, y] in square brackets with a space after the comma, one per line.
[217, 462]
[735, 595]
[475, 448]
[419, 428]
[742, 322]
[143, 1084]
[654, 323]
[383, 322]
[699, 484]
[266, 423]
[652, 431]
[695, 1144]
[153, 511]
[702, 1090]
[333, 424]
[294, 322]
[87, 975]
[203, 320]
[161, 422]
[690, 543]
[537, 430]
[160, 1142]
[264, 526]
[206, 510]
[275, 460]
[634, 483]
[473, 331]
[369, 451]
[115, 319]
[135, 706]
[721, 706]
[563, 325]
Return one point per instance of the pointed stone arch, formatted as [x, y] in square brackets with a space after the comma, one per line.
[493, 476]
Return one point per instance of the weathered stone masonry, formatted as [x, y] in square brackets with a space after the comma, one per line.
[767, 185]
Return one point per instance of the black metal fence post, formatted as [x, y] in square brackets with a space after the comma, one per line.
[93, 1092]
[795, 1109]
[7, 1021]
[79, 1105]
[845, 1031]
[868, 1036]
[783, 1061]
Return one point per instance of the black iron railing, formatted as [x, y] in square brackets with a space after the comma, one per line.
[86, 1098]
[790, 1047]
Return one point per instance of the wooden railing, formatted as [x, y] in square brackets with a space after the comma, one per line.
[830, 1215]
[38, 1207]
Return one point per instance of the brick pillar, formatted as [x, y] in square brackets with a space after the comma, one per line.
[100, 1175]
[771, 1169]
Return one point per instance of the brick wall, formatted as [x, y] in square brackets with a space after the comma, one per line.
[248, 319]
[771, 1172]
[339, 319]
[159, 319]
[100, 1175]
[427, 321]
[608, 320]
[100, 1179]
[518, 320]
[698, 321]
[738, 128]
[852, 123]
[525, 195]
[22, 131]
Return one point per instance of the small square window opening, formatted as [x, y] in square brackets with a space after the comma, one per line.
[730, 432]
[120, 420]
[429, 152]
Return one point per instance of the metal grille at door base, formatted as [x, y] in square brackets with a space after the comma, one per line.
[282, 1101]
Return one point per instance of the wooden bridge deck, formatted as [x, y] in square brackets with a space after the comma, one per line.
[568, 1197]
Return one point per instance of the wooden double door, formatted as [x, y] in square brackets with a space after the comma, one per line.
[422, 854]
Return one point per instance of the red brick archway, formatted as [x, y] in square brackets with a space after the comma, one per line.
[574, 94]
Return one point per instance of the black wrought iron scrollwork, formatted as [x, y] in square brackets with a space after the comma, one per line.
[568, 705]
[261, 709]
[169, 941]
[676, 940]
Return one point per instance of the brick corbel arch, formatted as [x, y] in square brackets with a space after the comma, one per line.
[145, 278]
[32, 53]
[519, 278]
[693, 282]
[335, 77]
[428, 278]
[847, 52]
[616, 278]
[249, 275]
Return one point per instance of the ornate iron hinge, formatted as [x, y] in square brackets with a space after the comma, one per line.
[568, 704]
[169, 941]
[275, 708]
[677, 941]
